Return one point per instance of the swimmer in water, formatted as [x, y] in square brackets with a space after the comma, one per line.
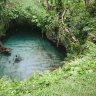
[17, 59]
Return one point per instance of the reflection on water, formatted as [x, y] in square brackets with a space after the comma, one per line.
[37, 55]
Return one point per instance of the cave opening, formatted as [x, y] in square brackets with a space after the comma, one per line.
[30, 52]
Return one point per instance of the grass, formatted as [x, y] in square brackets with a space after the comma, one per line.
[76, 78]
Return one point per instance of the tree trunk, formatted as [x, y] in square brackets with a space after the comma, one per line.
[47, 4]
[95, 2]
[87, 2]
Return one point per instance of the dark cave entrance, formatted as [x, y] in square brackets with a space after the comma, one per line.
[37, 54]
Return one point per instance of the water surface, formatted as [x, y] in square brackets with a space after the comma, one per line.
[37, 54]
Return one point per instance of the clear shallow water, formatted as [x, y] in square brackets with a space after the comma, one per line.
[37, 55]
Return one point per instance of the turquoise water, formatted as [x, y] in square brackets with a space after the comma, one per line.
[37, 55]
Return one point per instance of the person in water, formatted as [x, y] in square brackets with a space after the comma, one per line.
[17, 59]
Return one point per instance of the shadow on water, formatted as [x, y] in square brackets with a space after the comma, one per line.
[30, 53]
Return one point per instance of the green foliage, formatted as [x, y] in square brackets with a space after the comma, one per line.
[92, 9]
[81, 23]
[77, 17]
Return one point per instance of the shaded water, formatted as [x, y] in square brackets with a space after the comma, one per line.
[37, 54]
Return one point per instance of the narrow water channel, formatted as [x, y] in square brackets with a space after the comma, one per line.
[37, 54]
